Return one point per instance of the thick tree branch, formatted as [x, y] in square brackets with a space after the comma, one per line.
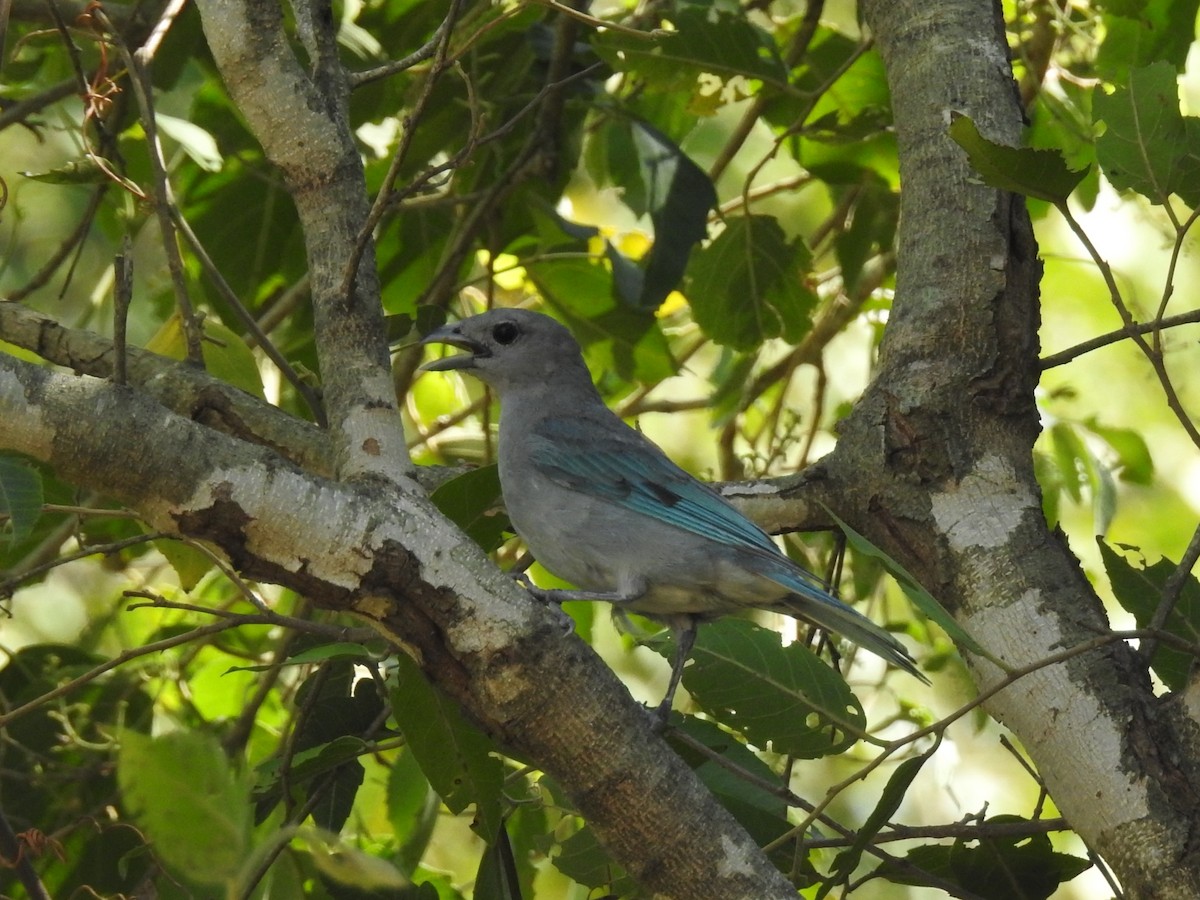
[937, 462]
[302, 122]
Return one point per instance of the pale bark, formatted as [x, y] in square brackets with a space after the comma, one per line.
[936, 463]
[301, 118]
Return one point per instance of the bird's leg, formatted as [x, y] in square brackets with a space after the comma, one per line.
[565, 622]
[684, 631]
[555, 598]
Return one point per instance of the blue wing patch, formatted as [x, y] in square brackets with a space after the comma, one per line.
[625, 468]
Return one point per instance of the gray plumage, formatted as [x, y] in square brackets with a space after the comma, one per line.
[602, 507]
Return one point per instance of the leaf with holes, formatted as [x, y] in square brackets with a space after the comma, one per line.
[782, 698]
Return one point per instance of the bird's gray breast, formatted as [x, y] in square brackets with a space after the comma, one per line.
[599, 545]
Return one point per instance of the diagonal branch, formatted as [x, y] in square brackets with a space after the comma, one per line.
[391, 559]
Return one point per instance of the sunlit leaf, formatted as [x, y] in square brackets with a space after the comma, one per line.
[784, 698]
[189, 800]
[455, 756]
[195, 141]
[226, 355]
[1036, 173]
[20, 497]
[1140, 32]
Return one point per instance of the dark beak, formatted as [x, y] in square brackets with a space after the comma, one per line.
[449, 334]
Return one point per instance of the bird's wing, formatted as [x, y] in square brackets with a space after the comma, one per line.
[621, 466]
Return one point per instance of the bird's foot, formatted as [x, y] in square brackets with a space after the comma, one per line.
[660, 716]
[549, 599]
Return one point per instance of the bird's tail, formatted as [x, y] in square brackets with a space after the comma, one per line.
[813, 604]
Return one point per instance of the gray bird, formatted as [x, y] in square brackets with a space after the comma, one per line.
[603, 508]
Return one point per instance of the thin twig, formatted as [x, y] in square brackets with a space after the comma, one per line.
[422, 53]
[1062, 357]
[252, 326]
[166, 644]
[163, 199]
[1154, 358]
[122, 298]
[9, 584]
[439, 45]
[145, 54]
[69, 245]
[1170, 594]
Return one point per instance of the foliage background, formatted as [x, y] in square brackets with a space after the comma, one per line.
[479, 221]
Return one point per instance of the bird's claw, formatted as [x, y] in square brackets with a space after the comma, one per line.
[547, 597]
[660, 716]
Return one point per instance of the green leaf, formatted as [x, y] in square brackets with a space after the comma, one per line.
[1135, 464]
[456, 757]
[1145, 146]
[226, 355]
[1035, 173]
[20, 496]
[761, 812]
[1139, 591]
[1079, 467]
[721, 44]
[472, 501]
[996, 868]
[784, 698]
[497, 878]
[190, 563]
[195, 141]
[412, 808]
[876, 213]
[679, 195]
[748, 285]
[615, 338]
[335, 763]
[890, 799]
[581, 858]
[1141, 32]
[920, 597]
[307, 764]
[348, 865]
[191, 803]
[1068, 453]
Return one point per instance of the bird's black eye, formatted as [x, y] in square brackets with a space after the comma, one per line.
[505, 332]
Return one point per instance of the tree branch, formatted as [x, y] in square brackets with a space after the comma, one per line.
[395, 561]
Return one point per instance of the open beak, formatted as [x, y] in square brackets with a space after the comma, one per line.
[449, 334]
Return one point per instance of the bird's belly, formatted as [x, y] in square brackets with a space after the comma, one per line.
[599, 547]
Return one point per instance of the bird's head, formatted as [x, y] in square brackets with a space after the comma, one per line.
[509, 348]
